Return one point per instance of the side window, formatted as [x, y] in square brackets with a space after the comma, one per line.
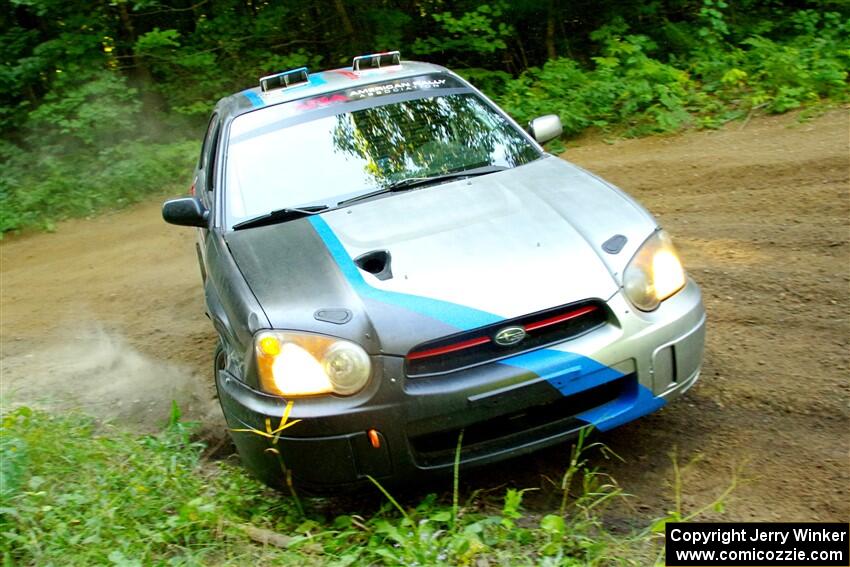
[211, 155]
[212, 129]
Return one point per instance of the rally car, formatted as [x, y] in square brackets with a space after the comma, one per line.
[390, 260]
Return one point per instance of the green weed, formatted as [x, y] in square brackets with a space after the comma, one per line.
[39, 188]
[74, 491]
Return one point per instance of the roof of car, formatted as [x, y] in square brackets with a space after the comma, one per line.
[321, 83]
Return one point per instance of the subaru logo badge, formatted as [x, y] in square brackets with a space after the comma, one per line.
[509, 336]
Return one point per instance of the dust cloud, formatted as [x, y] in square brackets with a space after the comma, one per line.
[98, 372]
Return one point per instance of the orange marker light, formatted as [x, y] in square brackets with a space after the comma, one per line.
[374, 438]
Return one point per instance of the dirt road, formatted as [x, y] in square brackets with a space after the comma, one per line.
[107, 314]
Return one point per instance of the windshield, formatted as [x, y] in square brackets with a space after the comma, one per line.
[340, 155]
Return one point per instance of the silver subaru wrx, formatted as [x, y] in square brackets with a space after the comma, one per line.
[389, 261]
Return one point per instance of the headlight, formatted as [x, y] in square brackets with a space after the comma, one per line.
[301, 364]
[654, 274]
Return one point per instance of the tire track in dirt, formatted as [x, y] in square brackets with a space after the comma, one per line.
[107, 315]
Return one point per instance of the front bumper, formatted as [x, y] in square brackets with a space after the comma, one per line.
[606, 378]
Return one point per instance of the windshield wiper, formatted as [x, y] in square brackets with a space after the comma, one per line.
[411, 182]
[281, 215]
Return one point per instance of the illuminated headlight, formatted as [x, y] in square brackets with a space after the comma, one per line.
[301, 364]
[654, 274]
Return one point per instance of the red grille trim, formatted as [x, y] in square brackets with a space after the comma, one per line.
[561, 318]
[484, 340]
[449, 348]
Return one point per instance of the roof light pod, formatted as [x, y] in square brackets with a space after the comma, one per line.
[376, 60]
[284, 79]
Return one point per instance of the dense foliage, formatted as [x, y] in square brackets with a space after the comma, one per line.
[97, 99]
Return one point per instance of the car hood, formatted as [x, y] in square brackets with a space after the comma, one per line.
[461, 255]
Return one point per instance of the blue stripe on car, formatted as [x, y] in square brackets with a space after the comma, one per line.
[567, 372]
[459, 316]
[254, 99]
[637, 401]
[570, 373]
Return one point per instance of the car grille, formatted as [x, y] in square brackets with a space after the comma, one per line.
[476, 347]
[512, 431]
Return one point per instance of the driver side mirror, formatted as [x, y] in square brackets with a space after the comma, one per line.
[545, 128]
[186, 211]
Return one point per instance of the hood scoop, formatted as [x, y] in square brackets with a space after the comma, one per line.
[377, 262]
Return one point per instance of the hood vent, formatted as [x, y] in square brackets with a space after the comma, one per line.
[377, 263]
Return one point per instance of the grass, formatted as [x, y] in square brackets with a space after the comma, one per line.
[75, 491]
[37, 190]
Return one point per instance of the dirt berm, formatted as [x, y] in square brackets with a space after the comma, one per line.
[107, 314]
